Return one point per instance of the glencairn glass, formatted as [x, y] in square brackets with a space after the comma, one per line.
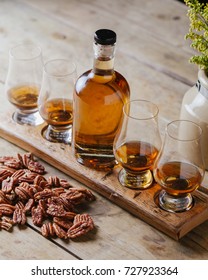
[23, 81]
[137, 143]
[55, 102]
[179, 167]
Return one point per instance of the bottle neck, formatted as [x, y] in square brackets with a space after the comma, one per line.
[103, 59]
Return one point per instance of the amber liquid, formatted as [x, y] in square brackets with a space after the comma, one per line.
[178, 178]
[57, 112]
[24, 97]
[98, 106]
[136, 156]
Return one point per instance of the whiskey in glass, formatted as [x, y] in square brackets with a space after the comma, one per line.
[55, 100]
[179, 167]
[23, 81]
[137, 143]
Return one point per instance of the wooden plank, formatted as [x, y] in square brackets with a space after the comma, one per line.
[141, 204]
[24, 243]
[137, 32]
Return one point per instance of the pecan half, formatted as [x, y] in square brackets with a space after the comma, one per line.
[17, 174]
[37, 216]
[60, 232]
[3, 198]
[19, 216]
[6, 223]
[47, 229]
[88, 195]
[40, 181]
[28, 206]
[82, 224]
[5, 173]
[56, 210]
[46, 193]
[28, 176]
[24, 191]
[13, 163]
[73, 195]
[36, 167]
[6, 158]
[7, 209]
[8, 185]
[63, 222]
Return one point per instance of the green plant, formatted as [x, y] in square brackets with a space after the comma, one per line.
[198, 31]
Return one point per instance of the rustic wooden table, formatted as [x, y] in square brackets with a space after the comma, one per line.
[153, 55]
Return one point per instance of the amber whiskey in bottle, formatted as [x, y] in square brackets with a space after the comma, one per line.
[99, 96]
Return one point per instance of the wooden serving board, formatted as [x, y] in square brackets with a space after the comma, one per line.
[142, 204]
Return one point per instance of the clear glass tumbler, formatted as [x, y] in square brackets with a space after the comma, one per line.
[179, 167]
[23, 82]
[137, 144]
[55, 102]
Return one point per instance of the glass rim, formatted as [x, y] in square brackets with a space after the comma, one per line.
[154, 115]
[67, 73]
[12, 55]
[185, 121]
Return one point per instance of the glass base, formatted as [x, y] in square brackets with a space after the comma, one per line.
[175, 204]
[32, 119]
[95, 157]
[141, 180]
[57, 135]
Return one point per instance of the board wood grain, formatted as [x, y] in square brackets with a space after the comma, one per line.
[142, 204]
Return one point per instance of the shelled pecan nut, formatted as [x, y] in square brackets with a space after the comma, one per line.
[6, 223]
[55, 210]
[47, 229]
[19, 216]
[7, 209]
[18, 173]
[40, 181]
[73, 196]
[13, 163]
[28, 176]
[46, 193]
[60, 232]
[54, 181]
[28, 206]
[82, 224]
[36, 167]
[63, 222]
[88, 195]
[5, 173]
[24, 191]
[4, 199]
[8, 185]
[37, 216]
[4, 159]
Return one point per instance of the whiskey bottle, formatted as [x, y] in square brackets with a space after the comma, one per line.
[99, 96]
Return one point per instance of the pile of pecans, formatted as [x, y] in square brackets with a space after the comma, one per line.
[51, 202]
